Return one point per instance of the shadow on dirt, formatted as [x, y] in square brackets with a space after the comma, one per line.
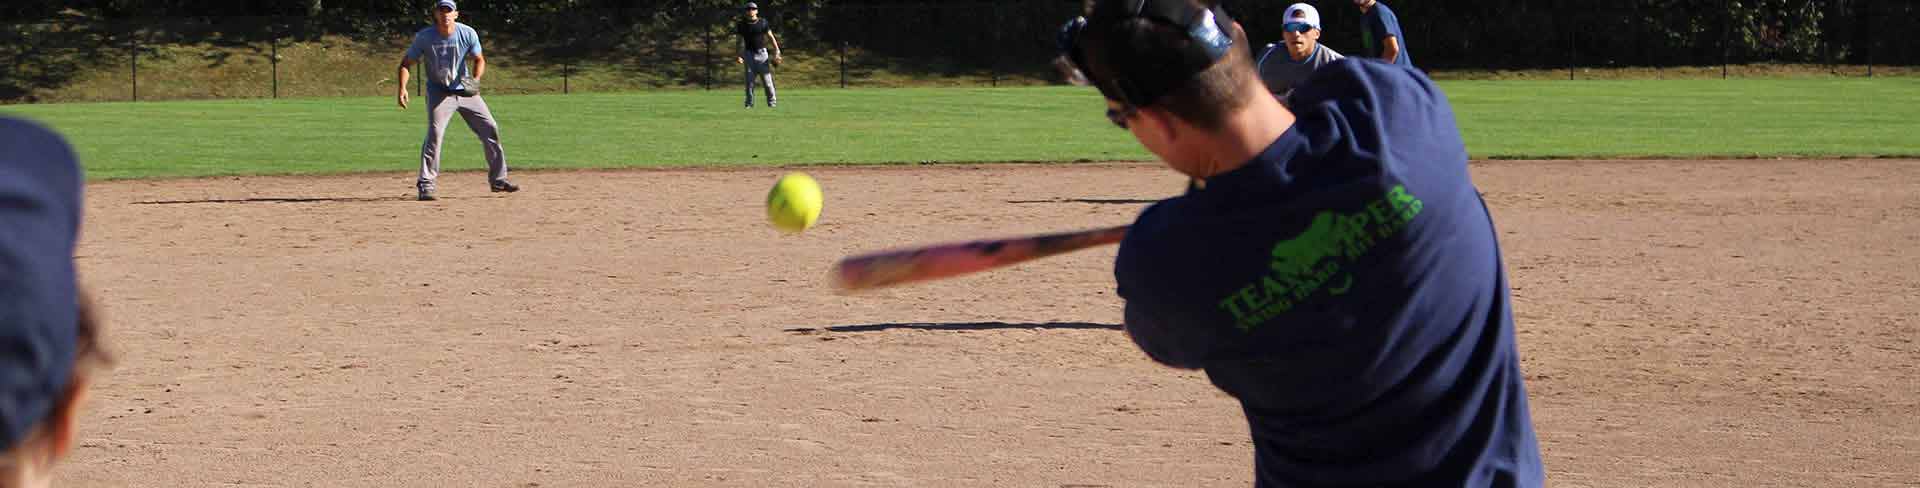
[281, 200]
[958, 326]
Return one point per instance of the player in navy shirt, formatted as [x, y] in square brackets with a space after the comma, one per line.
[50, 347]
[1380, 33]
[1331, 267]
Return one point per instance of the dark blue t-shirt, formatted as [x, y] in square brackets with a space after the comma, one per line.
[1346, 286]
[41, 189]
[1378, 24]
[753, 34]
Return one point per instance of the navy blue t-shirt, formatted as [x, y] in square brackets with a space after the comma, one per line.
[1378, 24]
[753, 34]
[1346, 286]
[41, 201]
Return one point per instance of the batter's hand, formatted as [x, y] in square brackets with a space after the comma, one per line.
[403, 98]
[739, 60]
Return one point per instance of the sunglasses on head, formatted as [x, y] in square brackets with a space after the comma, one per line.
[1297, 27]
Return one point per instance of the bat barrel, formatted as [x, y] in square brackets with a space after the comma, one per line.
[890, 268]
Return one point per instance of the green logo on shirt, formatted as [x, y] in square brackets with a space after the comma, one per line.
[1315, 260]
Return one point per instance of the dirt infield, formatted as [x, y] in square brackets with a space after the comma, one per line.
[1696, 323]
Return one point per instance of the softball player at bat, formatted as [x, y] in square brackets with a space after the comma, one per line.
[50, 349]
[445, 48]
[1334, 269]
[755, 35]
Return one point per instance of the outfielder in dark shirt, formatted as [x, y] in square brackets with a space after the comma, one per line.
[1380, 33]
[755, 35]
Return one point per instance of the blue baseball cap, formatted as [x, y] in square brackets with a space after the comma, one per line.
[40, 204]
[446, 3]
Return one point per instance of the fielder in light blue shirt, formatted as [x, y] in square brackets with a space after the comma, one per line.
[445, 56]
[446, 49]
[1287, 64]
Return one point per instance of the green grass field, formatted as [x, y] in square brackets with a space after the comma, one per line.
[1499, 119]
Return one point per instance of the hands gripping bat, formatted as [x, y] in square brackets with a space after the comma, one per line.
[937, 261]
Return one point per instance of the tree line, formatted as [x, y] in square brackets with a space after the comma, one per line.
[1441, 33]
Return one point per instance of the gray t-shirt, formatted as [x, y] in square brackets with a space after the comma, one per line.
[1281, 72]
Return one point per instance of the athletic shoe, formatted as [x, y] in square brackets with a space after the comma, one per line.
[426, 195]
[504, 186]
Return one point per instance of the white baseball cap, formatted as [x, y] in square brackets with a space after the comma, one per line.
[1311, 17]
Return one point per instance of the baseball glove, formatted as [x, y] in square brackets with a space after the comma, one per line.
[775, 62]
[469, 87]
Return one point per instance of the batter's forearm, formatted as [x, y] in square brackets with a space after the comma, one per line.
[402, 76]
[479, 67]
[774, 42]
[1390, 50]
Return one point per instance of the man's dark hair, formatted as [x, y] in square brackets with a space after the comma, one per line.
[1207, 98]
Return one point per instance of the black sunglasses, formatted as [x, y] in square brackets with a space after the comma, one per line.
[1120, 115]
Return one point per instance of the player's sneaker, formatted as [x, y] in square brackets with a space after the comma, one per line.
[426, 195]
[504, 186]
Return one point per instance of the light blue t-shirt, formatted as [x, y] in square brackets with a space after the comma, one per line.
[444, 58]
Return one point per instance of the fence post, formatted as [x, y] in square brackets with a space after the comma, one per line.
[566, 84]
[708, 82]
[994, 62]
[1826, 45]
[1573, 56]
[133, 49]
[843, 64]
[1727, 37]
[276, 63]
[1870, 39]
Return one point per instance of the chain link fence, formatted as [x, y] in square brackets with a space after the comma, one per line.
[983, 43]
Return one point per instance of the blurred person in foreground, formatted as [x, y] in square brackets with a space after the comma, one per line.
[50, 348]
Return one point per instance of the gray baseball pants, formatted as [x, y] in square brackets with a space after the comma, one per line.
[440, 109]
[759, 69]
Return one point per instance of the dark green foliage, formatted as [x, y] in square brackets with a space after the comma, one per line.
[43, 43]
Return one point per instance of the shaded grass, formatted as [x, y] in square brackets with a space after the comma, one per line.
[1824, 117]
[337, 66]
[341, 66]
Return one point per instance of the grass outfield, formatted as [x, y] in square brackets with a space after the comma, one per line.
[1500, 119]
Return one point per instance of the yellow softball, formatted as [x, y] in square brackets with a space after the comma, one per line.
[794, 203]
